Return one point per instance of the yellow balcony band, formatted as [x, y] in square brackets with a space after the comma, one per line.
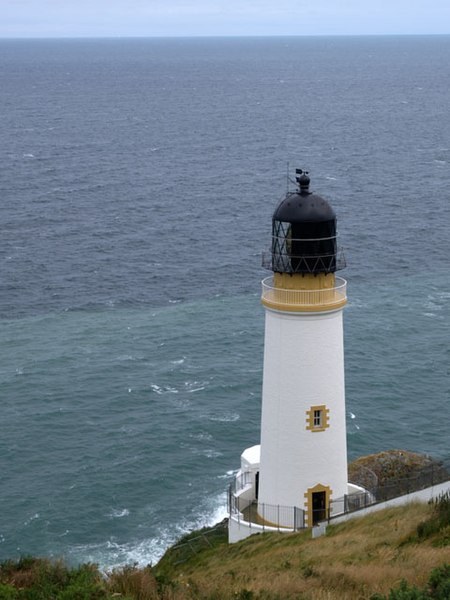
[304, 293]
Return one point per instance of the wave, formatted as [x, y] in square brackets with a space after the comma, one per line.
[225, 417]
[111, 554]
[118, 513]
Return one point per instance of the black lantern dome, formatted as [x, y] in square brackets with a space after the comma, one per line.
[304, 232]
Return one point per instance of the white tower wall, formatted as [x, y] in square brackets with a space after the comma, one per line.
[303, 368]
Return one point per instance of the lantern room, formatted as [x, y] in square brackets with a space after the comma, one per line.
[304, 233]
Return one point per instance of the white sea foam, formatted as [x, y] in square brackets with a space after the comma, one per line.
[178, 362]
[210, 453]
[431, 304]
[194, 386]
[219, 513]
[225, 417]
[201, 437]
[228, 474]
[30, 519]
[110, 554]
[118, 513]
[163, 390]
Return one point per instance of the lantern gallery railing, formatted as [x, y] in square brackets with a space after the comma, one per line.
[329, 297]
[284, 261]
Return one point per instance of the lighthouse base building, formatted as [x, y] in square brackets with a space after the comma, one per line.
[297, 476]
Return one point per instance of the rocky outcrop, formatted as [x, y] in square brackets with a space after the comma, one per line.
[394, 472]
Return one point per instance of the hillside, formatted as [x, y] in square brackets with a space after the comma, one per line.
[353, 561]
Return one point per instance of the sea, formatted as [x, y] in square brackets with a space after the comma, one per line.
[138, 181]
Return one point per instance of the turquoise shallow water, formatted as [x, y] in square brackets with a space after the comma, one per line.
[138, 185]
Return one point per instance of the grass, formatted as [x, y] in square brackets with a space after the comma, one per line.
[135, 583]
[355, 560]
[396, 549]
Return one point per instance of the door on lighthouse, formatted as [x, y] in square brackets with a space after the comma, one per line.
[319, 507]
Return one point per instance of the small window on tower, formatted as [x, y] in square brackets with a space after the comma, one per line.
[317, 418]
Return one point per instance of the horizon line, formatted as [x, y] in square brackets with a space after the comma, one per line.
[214, 36]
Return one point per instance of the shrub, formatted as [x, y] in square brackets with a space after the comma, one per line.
[7, 592]
[439, 583]
[439, 520]
[438, 588]
[40, 579]
[442, 509]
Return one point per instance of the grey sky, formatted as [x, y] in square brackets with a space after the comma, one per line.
[61, 18]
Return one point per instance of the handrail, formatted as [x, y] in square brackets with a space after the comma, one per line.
[270, 516]
[240, 481]
[291, 239]
[304, 298]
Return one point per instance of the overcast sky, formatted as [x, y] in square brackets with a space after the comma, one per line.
[69, 18]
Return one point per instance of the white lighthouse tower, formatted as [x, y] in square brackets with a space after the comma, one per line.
[300, 467]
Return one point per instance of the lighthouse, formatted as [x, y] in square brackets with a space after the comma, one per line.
[292, 478]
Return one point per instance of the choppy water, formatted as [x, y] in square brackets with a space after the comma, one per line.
[138, 182]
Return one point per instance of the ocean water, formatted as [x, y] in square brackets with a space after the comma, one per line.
[137, 187]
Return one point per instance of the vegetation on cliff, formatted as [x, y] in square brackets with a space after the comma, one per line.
[397, 554]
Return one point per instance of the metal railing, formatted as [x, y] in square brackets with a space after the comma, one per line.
[425, 477]
[267, 516]
[188, 546]
[347, 504]
[283, 261]
[329, 296]
[241, 481]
